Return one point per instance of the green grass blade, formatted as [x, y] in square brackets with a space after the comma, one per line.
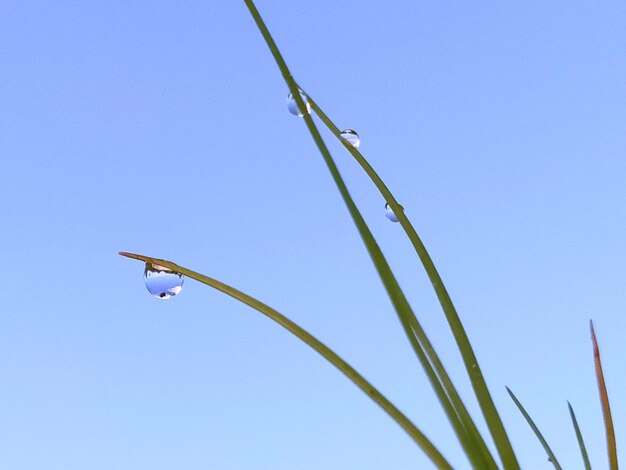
[418, 437]
[531, 423]
[579, 437]
[417, 337]
[413, 330]
[475, 443]
[488, 408]
[604, 399]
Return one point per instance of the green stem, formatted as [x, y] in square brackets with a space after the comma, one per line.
[479, 385]
[533, 426]
[417, 337]
[413, 330]
[579, 437]
[418, 437]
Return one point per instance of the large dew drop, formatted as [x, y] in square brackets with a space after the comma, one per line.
[351, 137]
[292, 106]
[161, 282]
[389, 213]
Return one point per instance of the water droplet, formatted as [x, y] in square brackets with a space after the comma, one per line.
[351, 137]
[162, 282]
[292, 106]
[389, 213]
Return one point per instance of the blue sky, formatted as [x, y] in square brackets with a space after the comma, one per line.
[162, 129]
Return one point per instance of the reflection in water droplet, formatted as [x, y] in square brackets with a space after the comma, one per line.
[161, 282]
[389, 213]
[292, 106]
[351, 137]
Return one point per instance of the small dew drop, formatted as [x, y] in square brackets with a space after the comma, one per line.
[389, 213]
[162, 282]
[351, 137]
[292, 106]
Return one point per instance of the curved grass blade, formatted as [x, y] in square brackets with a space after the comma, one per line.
[473, 444]
[488, 408]
[413, 330]
[604, 399]
[418, 437]
[476, 443]
[416, 335]
[579, 437]
[531, 423]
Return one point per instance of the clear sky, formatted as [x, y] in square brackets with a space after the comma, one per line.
[161, 128]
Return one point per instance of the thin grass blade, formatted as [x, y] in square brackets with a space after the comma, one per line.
[604, 399]
[531, 423]
[418, 437]
[579, 437]
[413, 330]
[488, 408]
